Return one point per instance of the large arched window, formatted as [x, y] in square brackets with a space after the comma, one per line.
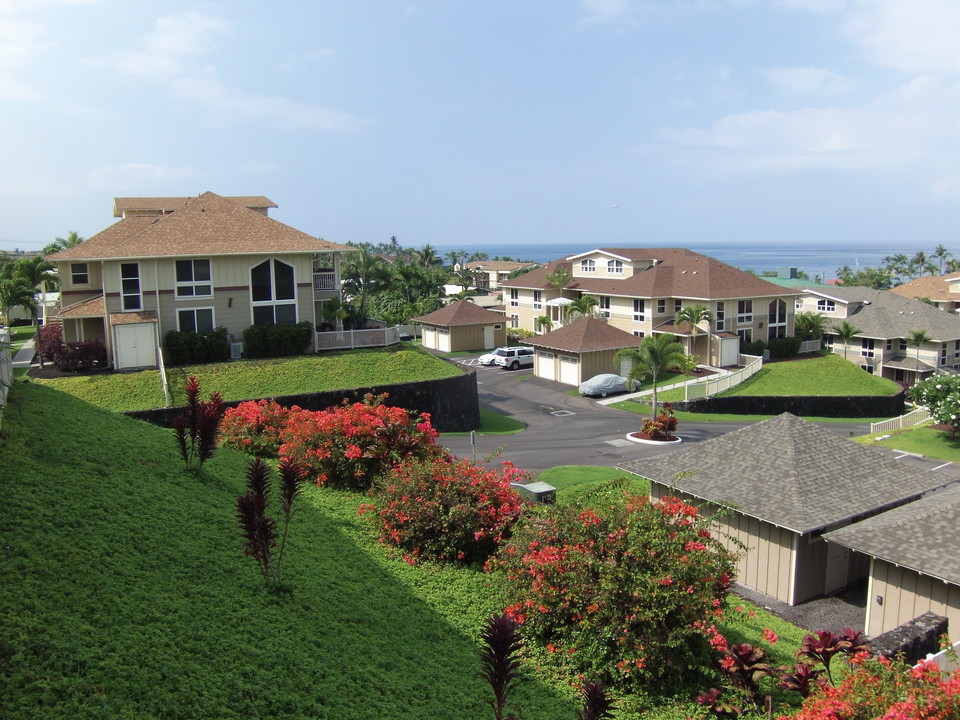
[273, 293]
[777, 319]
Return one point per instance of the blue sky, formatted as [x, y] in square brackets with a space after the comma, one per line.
[606, 122]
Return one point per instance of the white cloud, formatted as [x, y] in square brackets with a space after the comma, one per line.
[135, 175]
[175, 54]
[20, 43]
[807, 80]
[604, 11]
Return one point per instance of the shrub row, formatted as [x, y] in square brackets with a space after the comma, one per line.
[83, 355]
[260, 341]
[188, 348]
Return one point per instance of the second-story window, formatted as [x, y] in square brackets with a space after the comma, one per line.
[588, 266]
[744, 312]
[866, 347]
[193, 278]
[273, 292]
[615, 267]
[677, 306]
[661, 306]
[537, 299]
[718, 317]
[79, 274]
[638, 310]
[130, 298]
[514, 297]
[824, 305]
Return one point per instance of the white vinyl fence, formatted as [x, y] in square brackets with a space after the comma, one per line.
[350, 339]
[6, 367]
[914, 417]
[751, 365]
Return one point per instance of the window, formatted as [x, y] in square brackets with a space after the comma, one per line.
[798, 304]
[661, 307]
[537, 299]
[776, 319]
[677, 306]
[79, 274]
[746, 335]
[514, 298]
[718, 317]
[514, 321]
[638, 333]
[903, 343]
[588, 266]
[744, 312]
[130, 286]
[889, 345]
[868, 368]
[866, 347]
[943, 354]
[615, 267]
[824, 305]
[195, 320]
[193, 279]
[638, 311]
[604, 302]
[273, 292]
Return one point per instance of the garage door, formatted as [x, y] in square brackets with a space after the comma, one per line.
[429, 338]
[546, 368]
[569, 370]
[443, 339]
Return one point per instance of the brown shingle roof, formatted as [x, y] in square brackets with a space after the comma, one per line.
[932, 287]
[791, 473]
[207, 225]
[93, 307]
[587, 334]
[169, 204]
[461, 312]
[498, 265]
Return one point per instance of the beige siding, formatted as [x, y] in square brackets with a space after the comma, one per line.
[907, 594]
[811, 568]
[595, 363]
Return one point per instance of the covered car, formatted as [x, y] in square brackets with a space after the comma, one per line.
[604, 384]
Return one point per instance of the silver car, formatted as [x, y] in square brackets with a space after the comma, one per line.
[604, 384]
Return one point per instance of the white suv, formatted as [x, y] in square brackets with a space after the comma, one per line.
[513, 357]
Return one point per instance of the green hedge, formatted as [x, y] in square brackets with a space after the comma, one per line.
[261, 341]
[188, 348]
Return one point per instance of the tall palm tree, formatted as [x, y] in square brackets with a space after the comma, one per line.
[582, 306]
[846, 331]
[918, 338]
[543, 323]
[365, 274]
[427, 257]
[809, 325]
[15, 291]
[72, 239]
[941, 254]
[39, 273]
[918, 264]
[651, 358]
[695, 314]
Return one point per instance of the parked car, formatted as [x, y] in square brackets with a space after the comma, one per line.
[488, 358]
[513, 357]
[604, 384]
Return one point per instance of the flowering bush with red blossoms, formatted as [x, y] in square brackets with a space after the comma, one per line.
[887, 689]
[351, 445]
[446, 509]
[255, 427]
[621, 593]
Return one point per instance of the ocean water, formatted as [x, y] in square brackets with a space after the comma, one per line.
[811, 258]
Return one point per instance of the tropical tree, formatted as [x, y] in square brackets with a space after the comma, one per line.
[543, 323]
[582, 306]
[695, 314]
[426, 257]
[941, 254]
[897, 265]
[809, 325]
[72, 239]
[918, 338]
[651, 358]
[465, 277]
[846, 331]
[15, 291]
[365, 274]
[918, 264]
[558, 279]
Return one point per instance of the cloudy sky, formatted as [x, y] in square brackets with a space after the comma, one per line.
[607, 122]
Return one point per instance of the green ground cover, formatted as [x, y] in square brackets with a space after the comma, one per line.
[494, 423]
[822, 375]
[126, 594]
[259, 378]
[925, 440]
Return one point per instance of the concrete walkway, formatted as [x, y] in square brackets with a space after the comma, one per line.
[717, 372]
[23, 358]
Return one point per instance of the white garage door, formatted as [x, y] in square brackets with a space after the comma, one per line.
[569, 370]
[429, 338]
[546, 368]
[443, 339]
[136, 345]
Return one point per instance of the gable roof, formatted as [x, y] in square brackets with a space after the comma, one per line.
[885, 314]
[123, 205]
[678, 272]
[791, 473]
[921, 536]
[586, 334]
[207, 225]
[461, 312]
[932, 287]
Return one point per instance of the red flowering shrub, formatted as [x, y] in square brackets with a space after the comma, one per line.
[350, 446]
[888, 689]
[446, 508]
[255, 427]
[663, 427]
[618, 592]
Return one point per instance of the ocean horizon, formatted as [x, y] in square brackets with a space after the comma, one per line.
[813, 259]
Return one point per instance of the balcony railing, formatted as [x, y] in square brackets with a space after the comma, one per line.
[324, 281]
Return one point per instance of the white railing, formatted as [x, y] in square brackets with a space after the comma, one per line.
[752, 364]
[165, 386]
[914, 417]
[946, 659]
[6, 367]
[809, 346]
[350, 339]
[324, 281]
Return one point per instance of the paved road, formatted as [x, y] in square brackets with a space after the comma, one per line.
[565, 429]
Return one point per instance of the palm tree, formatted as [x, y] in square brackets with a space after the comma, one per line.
[846, 331]
[15, 291]
[918, 264]
[72, 239]
[363, 275]
[543, 323]
[427, 257]
[941, 254]
[651, 358]
[37, 272]
[918, 338]
[558, 278]
[897, 265]
[695, 314]
[809, 325]
[583, 305]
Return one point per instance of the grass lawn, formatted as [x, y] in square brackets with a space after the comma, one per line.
[823, 375]
[924, 440]
[126, 594]
[493, 423]
[258, 378]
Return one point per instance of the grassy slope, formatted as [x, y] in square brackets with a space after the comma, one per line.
[259, 378]
[825, 375]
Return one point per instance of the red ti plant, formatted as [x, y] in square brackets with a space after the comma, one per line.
[197, 428]
[803, 679]
[597, 704]
[745, 665]
[500, 659]
[713, 700]
[821, 647]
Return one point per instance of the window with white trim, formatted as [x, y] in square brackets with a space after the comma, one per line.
[943, 354]
[718, 317]
[273, 293]
[193, 278]
[79, 274]
[903, 343]
[615, 267]
[677, 305]
[603, 302]
[130, 297]
[638, 310]
[514, 321]
[798, 304]
[195, 319]
[746, 335]
[514, 298]
[638, 333]
[538, 299]
[744, 312]
[825, 305]
[867, 347]
[661, 306]
[588, 266]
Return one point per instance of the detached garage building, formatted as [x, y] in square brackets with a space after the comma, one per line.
[580, 350]
[462, 326]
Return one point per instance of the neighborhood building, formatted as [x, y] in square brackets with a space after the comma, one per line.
[579, 350]
[884, 321]
[914, 565]
[462, 325]
[490, 274]
[191, 264]
[941, 291]
[783, 484]
[640, 291]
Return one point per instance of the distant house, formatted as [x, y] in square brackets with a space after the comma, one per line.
[914, 561]
[885, 320]
[191, 264]
[579, 350]
[491, 273]
[941, 291]
[785, 482]
[462, 325]
[640, 291]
